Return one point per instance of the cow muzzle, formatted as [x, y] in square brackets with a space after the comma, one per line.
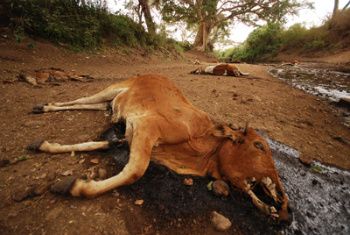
[267, 198]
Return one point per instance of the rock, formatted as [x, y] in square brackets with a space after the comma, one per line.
[82, 161]
[92, 173]
[220, 222]
[344, 102]
[51, 175]
[220, 188]
[102, 173]
[21, 195]
[139, 202]
[67, 173]
[188, 181]
[95, 161]
[4, 162]
[40, 189]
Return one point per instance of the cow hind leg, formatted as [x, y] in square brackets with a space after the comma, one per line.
[45, 146]
[140, 154]
[103, 96]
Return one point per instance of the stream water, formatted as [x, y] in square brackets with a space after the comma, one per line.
[314, 78]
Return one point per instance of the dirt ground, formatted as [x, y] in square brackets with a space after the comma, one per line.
[288, 115]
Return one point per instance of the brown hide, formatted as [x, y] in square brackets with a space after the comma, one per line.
[250, 157]
[190, 142]
[228, 69]
[162, 125]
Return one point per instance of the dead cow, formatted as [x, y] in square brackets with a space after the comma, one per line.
[161, 125]
[221, 70]
[50, 75]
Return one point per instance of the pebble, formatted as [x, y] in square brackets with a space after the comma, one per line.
[102, 173]
[4, 162]
[40, 189]
[139, 202]
[220, 188]
[188, 181]
[220, 222]
[95, 161]
[51, 175]
[21, 195]
[67, 173]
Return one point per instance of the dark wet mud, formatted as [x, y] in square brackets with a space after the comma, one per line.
[319, 195]
[171, 206]
[321, 80]
[319, 198]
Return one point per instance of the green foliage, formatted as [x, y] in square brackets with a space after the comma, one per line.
[74, 23]
[262, 43]
[265, 42]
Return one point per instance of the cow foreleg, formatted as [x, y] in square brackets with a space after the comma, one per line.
[53, 108]
[140, 154]
[45, 146]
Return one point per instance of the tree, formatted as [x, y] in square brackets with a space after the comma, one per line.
[210, 17]
[142, 8]
[335, 8]
[148, 17]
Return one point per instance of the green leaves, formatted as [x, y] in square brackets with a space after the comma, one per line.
[80, 26]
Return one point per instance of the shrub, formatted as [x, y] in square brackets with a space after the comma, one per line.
[264, 42]
[79, 25]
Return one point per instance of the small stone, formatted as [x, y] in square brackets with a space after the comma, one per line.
[221, 188]
[4, 162]
[92, 173]
[220, 222]
[21, 195]
[82, 161]
[51, 175]
[95, 161]
[72, 154]
[67, 173]
[43, 176]
[188, 181]
[39, 190]
[102, 173]
[139, 202]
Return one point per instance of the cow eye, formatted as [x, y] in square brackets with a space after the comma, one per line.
[259, 145]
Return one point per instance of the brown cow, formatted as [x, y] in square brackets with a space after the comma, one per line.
[163, 126]
[220, 70]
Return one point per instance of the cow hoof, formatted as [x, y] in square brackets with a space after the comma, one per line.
[35, 146]
[38, 109]
[64, 186]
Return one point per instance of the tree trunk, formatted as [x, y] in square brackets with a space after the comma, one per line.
[335, 9]
[148, 17]
[202, 40]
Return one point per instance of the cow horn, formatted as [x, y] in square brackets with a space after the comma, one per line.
[245, 131]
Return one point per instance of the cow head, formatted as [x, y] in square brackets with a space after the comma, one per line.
[245, 160]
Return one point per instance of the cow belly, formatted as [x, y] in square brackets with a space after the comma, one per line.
[209, 69]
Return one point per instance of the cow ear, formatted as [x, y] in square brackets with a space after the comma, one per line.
[225, 132]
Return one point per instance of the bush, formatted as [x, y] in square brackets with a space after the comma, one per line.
[264, 42]
[81, 26]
